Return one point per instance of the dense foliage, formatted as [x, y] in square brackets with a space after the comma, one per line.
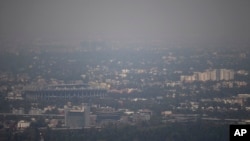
[171, 132]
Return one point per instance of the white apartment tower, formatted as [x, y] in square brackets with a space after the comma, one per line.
[226, 74]
[209, 75]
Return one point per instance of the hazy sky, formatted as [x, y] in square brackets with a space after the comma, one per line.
[126, 19]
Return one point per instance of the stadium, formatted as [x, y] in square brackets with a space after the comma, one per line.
[66, 91]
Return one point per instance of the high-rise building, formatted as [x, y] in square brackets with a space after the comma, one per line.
[209, 75]
[226, 74]
[77, 118]
[213, 75]
[86, 116]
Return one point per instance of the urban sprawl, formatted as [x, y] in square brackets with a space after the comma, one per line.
[98, 83]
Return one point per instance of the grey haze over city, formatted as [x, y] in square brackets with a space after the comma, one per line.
[194, 20]
[124, 70]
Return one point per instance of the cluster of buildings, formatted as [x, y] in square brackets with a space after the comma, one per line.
[156, 76]
[209, 75]
[78, 117]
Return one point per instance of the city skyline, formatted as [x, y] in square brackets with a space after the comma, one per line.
[123, 69]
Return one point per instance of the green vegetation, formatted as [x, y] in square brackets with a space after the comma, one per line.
[170, 132]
